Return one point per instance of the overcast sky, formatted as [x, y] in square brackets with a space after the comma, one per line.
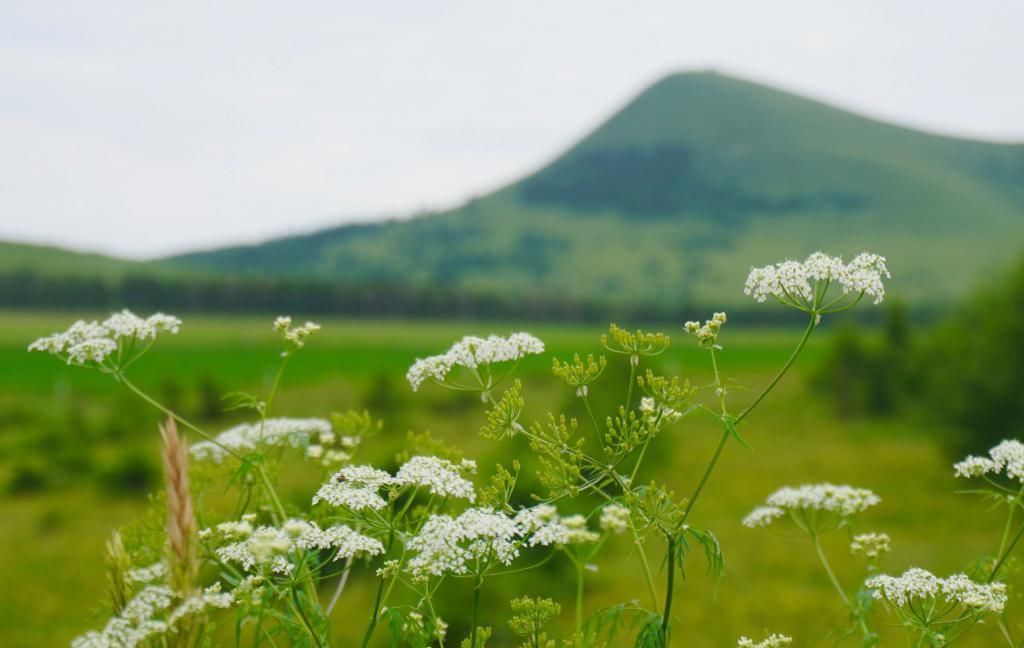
[145, 128]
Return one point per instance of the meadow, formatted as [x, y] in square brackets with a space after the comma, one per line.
[77, 458]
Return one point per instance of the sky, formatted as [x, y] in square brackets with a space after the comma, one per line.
[142, 129]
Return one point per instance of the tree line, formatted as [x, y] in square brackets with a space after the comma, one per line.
[32, 290]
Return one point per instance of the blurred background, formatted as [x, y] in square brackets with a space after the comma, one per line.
[406, 173]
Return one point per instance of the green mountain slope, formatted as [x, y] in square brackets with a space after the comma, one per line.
[675, 196]
[57, 262]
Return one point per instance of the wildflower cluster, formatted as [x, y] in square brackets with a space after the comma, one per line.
[1006, 458]
[806, 504]
[870, 545]
[772, 641]
[110, 344]
[921, 586]
[358, 487]
[154, 612]
[280, 549]
[415, 527]
[276, 432]
[635, 344]
[294, 337]
[477, 538]
[472, 353]
[579, 373]
[706, 334]
[804, 285]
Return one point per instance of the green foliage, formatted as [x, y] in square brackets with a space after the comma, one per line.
[578, 373]
[667, 392]
[872, 377]
[529, 618]
[560, 455]
[483, 635]
[498, 493]
[634, 344]
[425, 443]
[503, 417]
[627, 431]
[638, 479]
[973, 368]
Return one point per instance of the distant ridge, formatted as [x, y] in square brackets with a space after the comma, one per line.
[678, 193]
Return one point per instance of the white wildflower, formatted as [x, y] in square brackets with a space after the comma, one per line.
[447, 545]
[772, 641]
[707, 334]
[92, 342]
[844, 500]
[434, 367]
[93, 350]
[294, 336]
[355, 488]
[614, 518]
[762, 516]
[247, 437]
[342, 539]
[920, 584]
[211, 597]
[439, 476]
[154, 572]
[151, 613]
[472, 352]
[870, 545]
[235, 530]
[1007, 457]
[797, 284]
[545, 527]
[650, 409]
[983, 597]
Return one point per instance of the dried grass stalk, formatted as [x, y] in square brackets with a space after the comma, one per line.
[181, 520]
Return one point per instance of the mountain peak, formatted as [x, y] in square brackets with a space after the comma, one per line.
[693, 180]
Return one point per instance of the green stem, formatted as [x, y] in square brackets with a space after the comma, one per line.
[273, 387]
[296, 605]
[1008, 525]
[704, 478]
[665, 618]
[828, 570]
[785, 368]
[579, 605]
[476, 608]
[1006, 554]
[634, 362]
[643, 561]
[379, 596]
[639, 460]
[597, 429]
[718, 381]
[120, 377]
[725, 433]
[376, 612]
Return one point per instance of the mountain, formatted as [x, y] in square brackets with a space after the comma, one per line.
[673, 198]
[57, 262]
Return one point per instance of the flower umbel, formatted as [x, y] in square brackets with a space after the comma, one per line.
[813, 507]
[473, 353]
[806, 285]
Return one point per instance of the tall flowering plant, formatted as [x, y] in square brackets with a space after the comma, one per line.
[274, 573]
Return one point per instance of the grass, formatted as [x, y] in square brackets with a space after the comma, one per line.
[52, 536]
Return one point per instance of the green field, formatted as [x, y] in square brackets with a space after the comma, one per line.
[69, 441]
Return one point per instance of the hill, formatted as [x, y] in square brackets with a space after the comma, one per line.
[55, 261]
[675, 196]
